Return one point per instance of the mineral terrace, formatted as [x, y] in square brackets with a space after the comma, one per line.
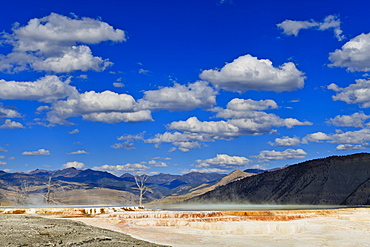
[327, 227]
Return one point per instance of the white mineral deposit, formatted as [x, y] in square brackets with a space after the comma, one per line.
[309, 227]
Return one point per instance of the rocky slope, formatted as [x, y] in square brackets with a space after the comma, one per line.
[343, 180]
[204, 188]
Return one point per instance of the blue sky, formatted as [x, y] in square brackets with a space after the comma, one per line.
[181, 86]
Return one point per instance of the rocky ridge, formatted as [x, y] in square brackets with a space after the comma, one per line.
[336, 180]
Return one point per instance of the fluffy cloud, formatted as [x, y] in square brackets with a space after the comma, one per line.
[157, 163]
[354, 55]
[224, 162]
[348, 147]
[3, 163]
[361, 137]
[132, 137]
[183, 141]
[3, 149]
[290, 27]
[315, 137]
[75, 164]
[50, 44]
[286, 141]
[38, 152]
[247, 117]
[180, 97]
[118, 84]
[9, 124]
[219, 129]
[119, 169]
[242, 119]
[250, 73]
[126, 145]
[205, 170]
[116, 117]
[107, 106]
[185, 146]
[358, 93]
[79, 152]
[73, 58]
[293, 27]
[45, 89]
[262, 122]
[8, 113]
[281, 155]
[251, 105]
[355, 120]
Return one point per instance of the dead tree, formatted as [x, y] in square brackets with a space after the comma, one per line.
[22, 194]
[49, 196]
[140, 182]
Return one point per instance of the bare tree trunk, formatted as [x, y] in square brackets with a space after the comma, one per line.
[22, 194]
[47, 196]
[51, 189]
[140, 182]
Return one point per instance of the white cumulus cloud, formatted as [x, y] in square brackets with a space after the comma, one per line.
[354, 55]
[355, 120]
[348, 147]
[242, 118]
[281, 155]
[38, 152]
[73, 58]
[107, 106]
[286, 141]
[54, 43]
[157, 163]
[183, 141]
[222, 129]
[224, 162]
[315, 137]
[75, 164]
[361, 137]
[9, 124]
[358, 93]
[250, 73]
[251, 105]
[8, 113]
[205, 170]
[45, 89]
[180, 97]
[126, 145]
[119, 169]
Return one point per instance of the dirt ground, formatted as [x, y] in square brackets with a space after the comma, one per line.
[22, 230]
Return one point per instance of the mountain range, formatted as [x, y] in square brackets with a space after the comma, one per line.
[73, 186]
[335, 180]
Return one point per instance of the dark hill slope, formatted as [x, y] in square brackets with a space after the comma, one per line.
[335, 180]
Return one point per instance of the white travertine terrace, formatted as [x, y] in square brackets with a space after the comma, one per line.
[325, 227]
